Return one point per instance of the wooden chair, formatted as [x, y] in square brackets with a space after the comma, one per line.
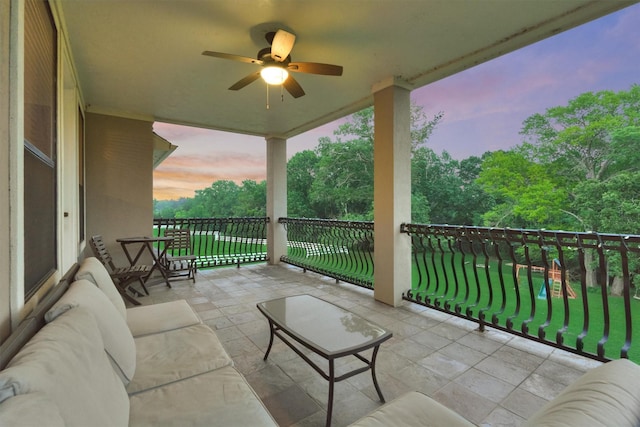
[123, 277]
[179, 260]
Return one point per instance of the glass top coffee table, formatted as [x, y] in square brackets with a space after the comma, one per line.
[329, 331]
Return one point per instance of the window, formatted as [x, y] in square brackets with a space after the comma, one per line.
[40, 60]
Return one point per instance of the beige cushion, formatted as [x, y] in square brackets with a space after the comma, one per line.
[29, 410]
[218, 398]
[175, 355]
[413, 409]
[92, 270]
[118, 341]
[166, 316]
[66, 361]
[608, 395]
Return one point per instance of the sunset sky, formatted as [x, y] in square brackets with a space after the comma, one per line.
[484, 107]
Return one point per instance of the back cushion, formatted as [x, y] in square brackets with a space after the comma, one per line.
[29, 410]
[608, 395]
[92, 270]
[66, 361]
[118, 341]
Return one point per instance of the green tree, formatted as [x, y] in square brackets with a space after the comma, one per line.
[343, 184]
[301, 172]
[252, 199]
[526, 195]
[217, 200]
[570, 155]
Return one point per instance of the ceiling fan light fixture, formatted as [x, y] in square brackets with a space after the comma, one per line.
[274, 75]
[282, 45]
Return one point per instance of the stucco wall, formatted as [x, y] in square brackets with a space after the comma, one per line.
[119, 179]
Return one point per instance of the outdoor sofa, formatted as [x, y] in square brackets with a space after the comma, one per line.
[96, 363]
[82, 359]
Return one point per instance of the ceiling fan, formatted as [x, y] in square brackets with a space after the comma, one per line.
[276, 64]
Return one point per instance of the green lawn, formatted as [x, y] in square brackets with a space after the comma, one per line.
[501, 301]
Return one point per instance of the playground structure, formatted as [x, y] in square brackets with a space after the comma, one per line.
[555, 280]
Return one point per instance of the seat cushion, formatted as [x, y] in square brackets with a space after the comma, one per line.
[91, 269]
[413, 409]
[29, 410]
[166, 316]
[66, 361]
[608, 395]
[118, 341]
[175, 355]
[218, 398]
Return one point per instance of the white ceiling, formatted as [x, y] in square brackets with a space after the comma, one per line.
[142, 58]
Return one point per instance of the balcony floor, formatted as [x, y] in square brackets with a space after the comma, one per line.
[491, 378]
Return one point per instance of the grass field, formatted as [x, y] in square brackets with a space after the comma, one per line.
[486, 294]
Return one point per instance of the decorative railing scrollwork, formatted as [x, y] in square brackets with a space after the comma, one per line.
[570, 290]
[339, 249]
[222, 241]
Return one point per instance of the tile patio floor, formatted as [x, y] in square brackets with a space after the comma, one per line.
[490, 378]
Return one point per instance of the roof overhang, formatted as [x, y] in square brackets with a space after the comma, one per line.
[143, 58]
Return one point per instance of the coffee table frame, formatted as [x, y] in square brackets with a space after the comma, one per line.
[286, 335]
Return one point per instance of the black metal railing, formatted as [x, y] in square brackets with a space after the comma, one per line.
[339, 249]
[569, 290]
[222, 241]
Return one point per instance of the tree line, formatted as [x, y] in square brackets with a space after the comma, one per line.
[576, 168]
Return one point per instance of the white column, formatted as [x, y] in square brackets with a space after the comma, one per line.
[392, 191]
[276, 197]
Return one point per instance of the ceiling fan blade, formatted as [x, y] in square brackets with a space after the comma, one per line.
[293, 87]
[245, 81]
[232, 57]
[282, 45]
[315, 68]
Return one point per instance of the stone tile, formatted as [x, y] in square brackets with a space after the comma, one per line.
[527, 361]
[244, 317]
[542, 386]
[463, 401]
[210, 314]
[391, 387]
[480, 342]
[523, 403]
[228, 334]
[443, 365]
[199, 300]
[411, 350]
[317, 419]
[204, 305]
[431, 339]
[419, 378]
[218, 322]
[501, 417]
[449, 331]
[298, 369]
[485, 385]
[503, 370]
[248, 363]
[531, 347]
[462, 353]
[290, 406]
[269, 380]
[351, 408]
[577, 362]
[255, 327]
[403, 329]
[240, 346]
[558, 372]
